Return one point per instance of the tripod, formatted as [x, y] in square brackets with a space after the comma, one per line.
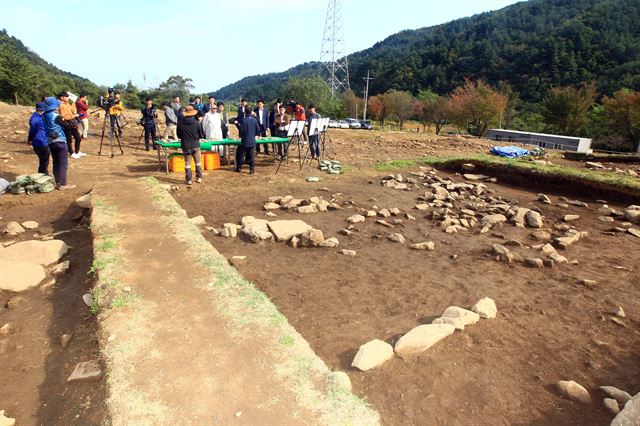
[114, 130]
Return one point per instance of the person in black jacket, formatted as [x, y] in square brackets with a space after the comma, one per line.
[249, 129]
[190, 132]
[149, 120]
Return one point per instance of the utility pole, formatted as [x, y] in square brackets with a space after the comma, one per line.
[366, 95]
[334, 67]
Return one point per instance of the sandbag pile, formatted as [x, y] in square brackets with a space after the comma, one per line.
[30, 184]
[332, 167]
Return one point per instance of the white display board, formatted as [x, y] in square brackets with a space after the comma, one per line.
[296, 127]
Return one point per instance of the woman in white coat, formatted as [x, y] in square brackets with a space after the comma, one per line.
[212, 126]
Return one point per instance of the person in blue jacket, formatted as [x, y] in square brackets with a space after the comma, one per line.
[57, 142]
[249, 129]
[38, 138]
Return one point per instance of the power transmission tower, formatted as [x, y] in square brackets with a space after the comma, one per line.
[366, 95]
[334, 67]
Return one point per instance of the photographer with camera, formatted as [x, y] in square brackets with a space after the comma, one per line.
[53, 123]
[148, 121]
[115, 111]
[70, 125]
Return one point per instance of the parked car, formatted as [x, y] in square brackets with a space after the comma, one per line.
[366, 124]
[353, 123]
[343, 124]
[334, 124]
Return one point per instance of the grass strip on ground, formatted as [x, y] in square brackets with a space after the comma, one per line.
[617, 180]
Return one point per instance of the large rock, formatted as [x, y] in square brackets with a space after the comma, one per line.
[457, 317]
[422, 338]
[13, 229]
[574, 391]
[37, 252]
[619, 395]
[30, 224]
[356, 218]
[534, 219]
[271, 206]
[632, 214]
[308, 209]
[506, 255]
[492, 219]
[84, 202]
[630, 414]
[6, 421]
[311, 238]
[330, 243]
[198, 220]
[372, 354]
[230, 230]
[285, 229]
[396, 238]
[519, 217]
[486, 308]
[257, 230]
[441, 193]
[428, 245]
[86, 372]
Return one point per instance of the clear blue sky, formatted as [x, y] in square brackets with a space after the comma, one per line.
[213, 42]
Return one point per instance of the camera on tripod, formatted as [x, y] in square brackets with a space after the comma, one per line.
[107, 102]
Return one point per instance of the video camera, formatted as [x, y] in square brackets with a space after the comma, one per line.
[107, 102]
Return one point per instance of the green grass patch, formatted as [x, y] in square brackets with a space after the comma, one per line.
[286, 341]
[123, 300]
[618, 180]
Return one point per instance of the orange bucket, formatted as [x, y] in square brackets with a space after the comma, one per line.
[211, 160]
[176, 163]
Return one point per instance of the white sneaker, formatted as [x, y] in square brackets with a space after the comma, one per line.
[74, 155]
[82, 154]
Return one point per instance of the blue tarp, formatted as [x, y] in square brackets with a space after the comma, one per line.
[509, 151]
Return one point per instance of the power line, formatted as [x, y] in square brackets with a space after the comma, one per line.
[366, 95]
[334, 67]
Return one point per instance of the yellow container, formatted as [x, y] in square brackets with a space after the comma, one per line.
[176, 163]
[211, 160]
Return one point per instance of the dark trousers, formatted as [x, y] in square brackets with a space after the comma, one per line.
[149, 133]
[197, 158]
[263, 133]
[43, 157]
[282, 134]
[314, 146]
[69, 133]
[241, 154]
[60, 162]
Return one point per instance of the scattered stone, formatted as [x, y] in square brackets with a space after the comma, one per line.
[504, 254]
[486, 308]
[558, 258]
[275, 199]
[197, 220]
[6, 421]
[270, 214]
[544, 199]
[84, 202]
[13, 229]
[457, 317]
[619, 312]
[632, 214]
[271, 206]
[548, 249]
[65, 339]
[534, 219]
[293, 203]
[429, 246]
[356, 218]
[607, 219]
[39, 252]
[441, 193]
[395, 211]
[611, 405]
[284, 200]
[311, 238]
[30, 224]
[634, 232]
[474, 177]
[588, 283]
[541, 235]
[313, 179]
[230, 230]
[87, 298]
[294, 242]
[348, 252]
[372, 354]
[309, 209]
[619, 395]
[285, 229]
[548, 263]
[422, 338]
[384, 223]
[23, 275]
[617, 321]
[570, 217]
[422, 207]
[630, 414]
[330, 243]
[578, 203]
[88, 371]
[468, 167]
[397, 238]
[574, 391]
[5, 330]
[534, 262]
[341, 381]
[344, 231]
[61, 268]
[257, 230]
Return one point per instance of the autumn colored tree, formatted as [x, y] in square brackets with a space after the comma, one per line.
[351, 104]
[623, 112]
[398, 104]
[476, 106]
[375, 106]
[566, 109]
[434, 110]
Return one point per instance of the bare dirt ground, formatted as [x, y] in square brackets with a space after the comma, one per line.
[500, 371]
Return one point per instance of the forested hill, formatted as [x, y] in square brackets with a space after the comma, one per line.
[25, 75]
[531, 45]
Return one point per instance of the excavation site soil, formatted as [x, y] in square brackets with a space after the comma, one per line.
[553, 323]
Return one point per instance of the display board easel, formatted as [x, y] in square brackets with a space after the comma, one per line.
[295, 130]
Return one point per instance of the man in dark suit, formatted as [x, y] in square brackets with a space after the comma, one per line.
[262, 115]
[249, 129]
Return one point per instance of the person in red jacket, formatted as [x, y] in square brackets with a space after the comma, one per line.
[83, 114]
